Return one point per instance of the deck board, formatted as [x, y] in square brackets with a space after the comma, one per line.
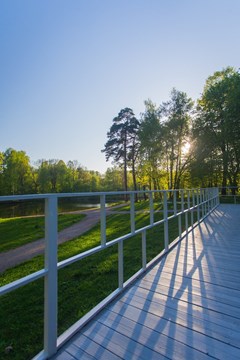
[186, 307]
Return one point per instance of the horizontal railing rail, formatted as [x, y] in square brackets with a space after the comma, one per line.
[229, 194]
[184, 203]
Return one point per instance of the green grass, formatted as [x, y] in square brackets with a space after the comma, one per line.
[15, 232]
[141, 205]
[82, 285]
[144, 205]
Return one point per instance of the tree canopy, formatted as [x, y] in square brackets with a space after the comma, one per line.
[217, 126]
[122, 142]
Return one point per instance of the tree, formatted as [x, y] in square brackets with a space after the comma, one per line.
[1, 172]
[52, 175]
[217, 126]
[16, 171]
[43, 176]
[151, 145]
[205, 166]
[71, 176]
[176, 117]
[112, 179]
[133, 148]
[121, 144]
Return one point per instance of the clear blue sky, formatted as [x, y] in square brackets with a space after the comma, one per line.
[68, 67]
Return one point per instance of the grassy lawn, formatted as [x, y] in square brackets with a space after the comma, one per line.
[141, 205]
[19, 231]
[157, 205]
[81, 285]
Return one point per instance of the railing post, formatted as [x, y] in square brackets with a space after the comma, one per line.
[212, 199]
[103, 219]
[202, 202]
[144, 252]
[50, 284]
[198, 208]
[151, 208]
[174, 202]
[218, 197]
[186, 213]
[193, 207]
[182, 200]
[205, 202]
[208, 199]
[180, 216]
[132, 212]
[120, 264]
[165, 212]
[215, 197]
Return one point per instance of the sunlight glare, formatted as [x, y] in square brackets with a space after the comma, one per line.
[185, 148]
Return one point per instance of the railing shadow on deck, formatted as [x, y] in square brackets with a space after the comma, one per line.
[163, 317]
[193, 206]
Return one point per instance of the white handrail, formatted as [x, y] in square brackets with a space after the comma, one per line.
[203, 201]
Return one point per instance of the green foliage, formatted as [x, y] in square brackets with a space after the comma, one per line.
[151, 146]
[177, 112]
[122, 144]
[47, 176]
[164, 132]
[15, 172]
[217, 127]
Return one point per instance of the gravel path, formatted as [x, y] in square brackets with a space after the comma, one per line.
[26, 252]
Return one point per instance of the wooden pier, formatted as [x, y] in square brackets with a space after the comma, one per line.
[186, 307]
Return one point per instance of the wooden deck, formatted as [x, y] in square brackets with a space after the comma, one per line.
[186, 307]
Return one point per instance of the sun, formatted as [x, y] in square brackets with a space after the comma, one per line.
[186, 148]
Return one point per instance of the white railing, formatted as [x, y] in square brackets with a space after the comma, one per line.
[183, 202]
[231, 194]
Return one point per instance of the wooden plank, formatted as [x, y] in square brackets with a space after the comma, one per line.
[150, 340]
[192, 298]
[209, 255]
[166, 278]
[111, 340]
[226, 280]
[209, 265]
[214, 292]
[192, 271]
[226, 334]
[202, 261]
[87, 347]
[198, 276]
[149, 330]
[63, 355]
[197, 310]
[81, 353]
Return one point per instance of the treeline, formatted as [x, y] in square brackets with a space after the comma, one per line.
[176, 144]
[18, 176]
[181, 144]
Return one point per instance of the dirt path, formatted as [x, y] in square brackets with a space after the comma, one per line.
[26, 252]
